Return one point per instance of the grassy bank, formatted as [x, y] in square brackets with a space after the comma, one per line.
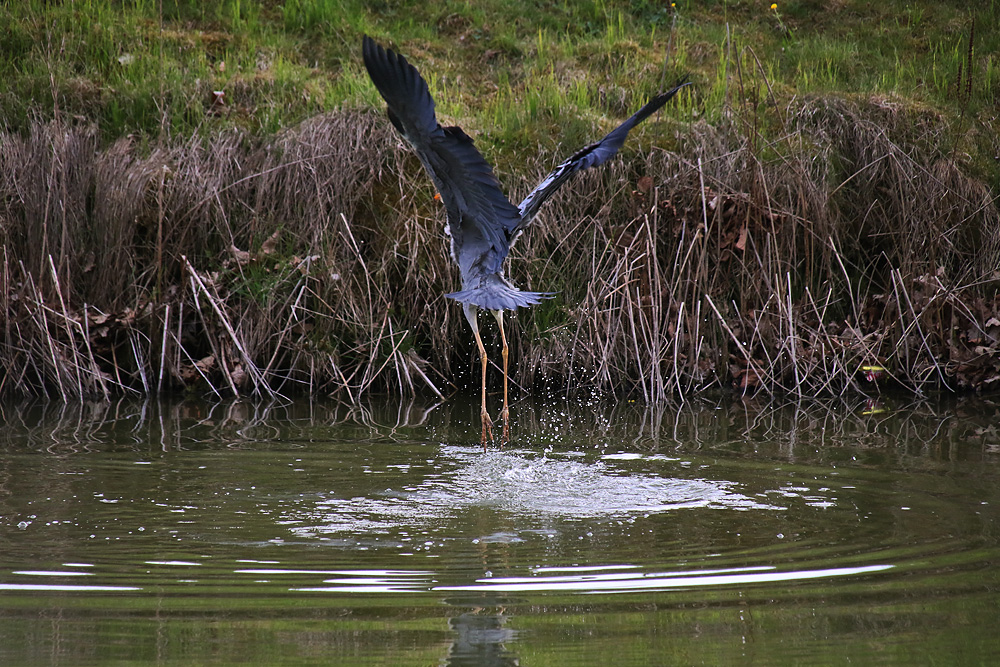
[823, 201]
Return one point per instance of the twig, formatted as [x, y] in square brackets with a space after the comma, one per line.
[259, 380]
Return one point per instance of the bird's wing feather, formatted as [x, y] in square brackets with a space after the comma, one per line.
[587, 157]
[463, 178]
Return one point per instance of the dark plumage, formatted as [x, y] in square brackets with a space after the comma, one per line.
[482, 223]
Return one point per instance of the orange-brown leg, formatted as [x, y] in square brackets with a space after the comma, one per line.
[504, 413]
[470, 314]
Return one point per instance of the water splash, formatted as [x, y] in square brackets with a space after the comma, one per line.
[525, 484]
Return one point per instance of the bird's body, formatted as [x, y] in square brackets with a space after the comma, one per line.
[482, 222]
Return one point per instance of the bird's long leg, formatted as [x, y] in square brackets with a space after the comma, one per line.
[470, 314]
[504, 414]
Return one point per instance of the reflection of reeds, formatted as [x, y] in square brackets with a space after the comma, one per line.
[807, 430]
[172, 425]
[779, 250]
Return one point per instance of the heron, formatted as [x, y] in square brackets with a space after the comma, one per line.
[482, 223]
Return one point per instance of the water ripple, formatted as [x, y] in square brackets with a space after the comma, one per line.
[590, 579]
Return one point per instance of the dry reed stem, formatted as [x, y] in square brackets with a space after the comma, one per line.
[339, 288]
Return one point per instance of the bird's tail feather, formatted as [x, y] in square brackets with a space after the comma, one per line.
[499, 297]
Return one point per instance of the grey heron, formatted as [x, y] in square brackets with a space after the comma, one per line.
[482, 223]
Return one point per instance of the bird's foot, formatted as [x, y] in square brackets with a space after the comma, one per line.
[505, 436]
[487, 429]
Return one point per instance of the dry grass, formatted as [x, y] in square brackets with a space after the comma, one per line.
[781, 250]
[852, 240]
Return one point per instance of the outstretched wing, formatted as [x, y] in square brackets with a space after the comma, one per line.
[591, 156]
[479, 214]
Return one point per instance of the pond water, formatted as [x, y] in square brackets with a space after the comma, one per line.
[318, 532]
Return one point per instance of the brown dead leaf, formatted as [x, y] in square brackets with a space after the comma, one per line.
[206, 364]
[268, 246]
[238, 376]
[242, 257]
[741, 242]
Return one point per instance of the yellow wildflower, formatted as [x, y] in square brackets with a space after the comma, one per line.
[774, 6]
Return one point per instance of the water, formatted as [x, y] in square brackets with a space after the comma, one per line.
[729, 532]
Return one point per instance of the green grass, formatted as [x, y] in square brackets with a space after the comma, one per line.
[147, 68]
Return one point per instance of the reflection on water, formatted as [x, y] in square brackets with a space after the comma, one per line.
[481, 639]
[705, 532]
[588, 580]
[916, 427]
[650, 581]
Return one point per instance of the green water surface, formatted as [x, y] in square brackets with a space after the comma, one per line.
[728, 532]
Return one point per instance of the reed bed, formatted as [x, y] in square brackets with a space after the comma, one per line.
[834, 244]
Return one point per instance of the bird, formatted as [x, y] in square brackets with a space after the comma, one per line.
[482, 223]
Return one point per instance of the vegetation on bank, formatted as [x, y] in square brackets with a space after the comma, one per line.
[207, 195]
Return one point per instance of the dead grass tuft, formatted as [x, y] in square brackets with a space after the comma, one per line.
[782, 251]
